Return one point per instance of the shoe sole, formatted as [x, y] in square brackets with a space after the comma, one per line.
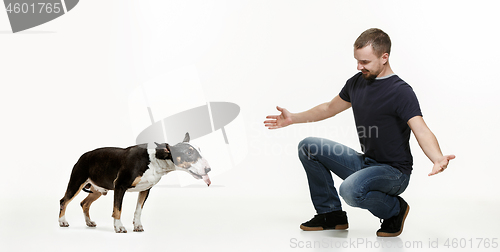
[385, 234]
[338, 227]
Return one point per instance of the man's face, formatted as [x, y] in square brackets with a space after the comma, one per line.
[368, 63]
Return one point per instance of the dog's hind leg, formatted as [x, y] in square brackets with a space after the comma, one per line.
[86, 206]
[138, 210]
[73, 189]
[77, 181]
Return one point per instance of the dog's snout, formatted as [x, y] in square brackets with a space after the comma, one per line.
[207, 169]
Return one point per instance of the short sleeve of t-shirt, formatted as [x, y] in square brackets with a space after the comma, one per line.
[344, 93]
[406, 104]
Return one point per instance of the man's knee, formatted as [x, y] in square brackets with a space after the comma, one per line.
[308, 147]
[351, 193]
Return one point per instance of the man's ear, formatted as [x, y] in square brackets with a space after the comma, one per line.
[186, 138]
[385, 58]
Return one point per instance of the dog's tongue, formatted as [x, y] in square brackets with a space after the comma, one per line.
[206, 179]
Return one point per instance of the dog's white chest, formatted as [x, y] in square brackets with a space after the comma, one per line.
[150, 178]
[156, 169]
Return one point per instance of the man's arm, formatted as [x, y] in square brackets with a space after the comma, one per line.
[318, 113]
[322, 111]
[429, 144]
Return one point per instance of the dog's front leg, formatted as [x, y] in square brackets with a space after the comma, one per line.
[117, 210]
[138, 210]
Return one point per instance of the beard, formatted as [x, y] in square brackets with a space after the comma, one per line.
[368, 76]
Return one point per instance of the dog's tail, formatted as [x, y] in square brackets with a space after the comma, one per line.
[86, 188]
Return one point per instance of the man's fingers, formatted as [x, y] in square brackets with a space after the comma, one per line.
[271, 124]
[272, 117]
[273, 127]
[275, 120]
[435, 172]
[442, 166]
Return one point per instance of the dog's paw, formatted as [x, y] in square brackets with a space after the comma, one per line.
[138, 228]
[120, 229]
[63, 222]
[90, 223]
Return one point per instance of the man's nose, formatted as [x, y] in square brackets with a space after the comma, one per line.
[360, 67]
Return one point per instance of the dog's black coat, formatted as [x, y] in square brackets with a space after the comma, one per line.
[129, 163]
[133, 169]
[111, 168]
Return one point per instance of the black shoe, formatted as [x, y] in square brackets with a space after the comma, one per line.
[394, 226]
[332, 220]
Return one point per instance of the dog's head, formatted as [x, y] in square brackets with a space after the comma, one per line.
[186, 157]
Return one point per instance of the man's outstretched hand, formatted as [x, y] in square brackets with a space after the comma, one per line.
[279, 121]
[441, 165]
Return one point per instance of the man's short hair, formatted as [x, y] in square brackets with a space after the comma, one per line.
[380, 41]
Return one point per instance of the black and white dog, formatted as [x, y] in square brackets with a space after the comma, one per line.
[133, 169]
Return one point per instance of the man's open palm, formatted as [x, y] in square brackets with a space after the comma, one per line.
[279, 121]
[441, 165]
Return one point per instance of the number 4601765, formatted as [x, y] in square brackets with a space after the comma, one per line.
[24, 8]
[470, 243]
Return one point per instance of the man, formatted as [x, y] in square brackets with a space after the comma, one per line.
[385, 109]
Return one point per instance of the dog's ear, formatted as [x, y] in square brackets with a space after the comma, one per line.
[161, 146]
[186, 138]
[163, 151]
[164, 146]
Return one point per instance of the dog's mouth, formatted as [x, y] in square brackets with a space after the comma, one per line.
[204, 177]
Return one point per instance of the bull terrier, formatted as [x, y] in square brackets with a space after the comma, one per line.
[133, 169]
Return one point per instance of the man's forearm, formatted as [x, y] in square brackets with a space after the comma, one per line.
[322, 111]
[429, 144]
[315, 114]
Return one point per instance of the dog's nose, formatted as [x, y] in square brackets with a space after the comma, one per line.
[207, 169]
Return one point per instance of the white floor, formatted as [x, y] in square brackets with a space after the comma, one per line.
[232, 215]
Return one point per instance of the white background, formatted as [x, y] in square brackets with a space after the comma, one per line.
[65, 89]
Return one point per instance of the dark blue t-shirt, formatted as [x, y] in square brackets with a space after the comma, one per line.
[382, 108]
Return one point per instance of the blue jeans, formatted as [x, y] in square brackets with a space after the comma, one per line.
[367, 184]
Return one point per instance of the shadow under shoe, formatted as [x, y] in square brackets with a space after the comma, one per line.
[333, 220]
[393, 226]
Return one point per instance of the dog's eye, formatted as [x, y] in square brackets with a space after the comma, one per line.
[190, 152]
